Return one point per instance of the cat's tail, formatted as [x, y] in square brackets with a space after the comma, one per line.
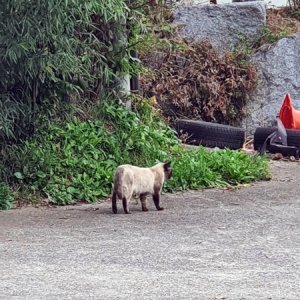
[121, 192]
[118, 192]
[120, 189]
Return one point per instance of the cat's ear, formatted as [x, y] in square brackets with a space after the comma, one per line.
[167, 166]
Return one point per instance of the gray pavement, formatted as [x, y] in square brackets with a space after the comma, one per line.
[212, 244]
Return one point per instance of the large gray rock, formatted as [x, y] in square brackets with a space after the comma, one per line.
[278, 74]
[222, 24]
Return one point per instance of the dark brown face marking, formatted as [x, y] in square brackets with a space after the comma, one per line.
[168, 170]
[167, 165]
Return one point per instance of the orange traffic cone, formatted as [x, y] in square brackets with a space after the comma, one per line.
[289, 116]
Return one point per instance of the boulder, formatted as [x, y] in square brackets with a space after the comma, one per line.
[278, 73]
[223, 24]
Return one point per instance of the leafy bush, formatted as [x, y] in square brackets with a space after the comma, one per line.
[76, 161]
[6, 197]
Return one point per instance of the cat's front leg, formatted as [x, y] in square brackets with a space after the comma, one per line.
[143, 198]
[125, 206]
[156, 197]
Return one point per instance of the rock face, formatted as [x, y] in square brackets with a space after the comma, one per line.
[222, 24]
[278, 74]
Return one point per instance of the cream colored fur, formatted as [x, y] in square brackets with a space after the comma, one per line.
[132, 180]
[135, 181]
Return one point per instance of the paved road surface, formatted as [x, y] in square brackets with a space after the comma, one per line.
[242, 244]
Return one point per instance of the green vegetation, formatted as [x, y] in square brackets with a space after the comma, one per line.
[76, 160]
[201, 168]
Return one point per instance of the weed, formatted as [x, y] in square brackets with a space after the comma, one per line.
[70, 59]
[6, 197]
[269, 37]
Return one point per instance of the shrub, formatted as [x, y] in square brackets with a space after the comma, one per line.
[190, 79]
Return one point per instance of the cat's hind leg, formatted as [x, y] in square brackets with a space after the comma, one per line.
[143, 198]
[114, 203]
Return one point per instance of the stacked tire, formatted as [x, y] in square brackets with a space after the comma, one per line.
[211, 134]
[293, 140]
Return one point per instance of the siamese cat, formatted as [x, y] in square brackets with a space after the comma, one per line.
[131, 180]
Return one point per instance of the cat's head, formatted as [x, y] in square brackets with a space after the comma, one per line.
[167, 170]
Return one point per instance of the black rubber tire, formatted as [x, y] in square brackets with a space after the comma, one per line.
[211, 134]
[285, 151]
[261, 133]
